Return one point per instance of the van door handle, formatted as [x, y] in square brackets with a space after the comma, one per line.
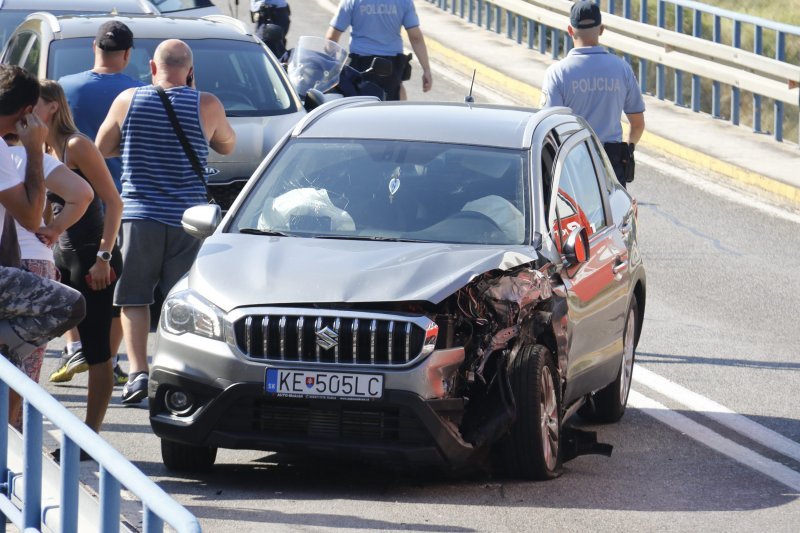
[625, 228]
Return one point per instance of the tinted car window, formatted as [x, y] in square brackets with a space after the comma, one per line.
[239, 73]
[579, 186]
[401, 190]
[34, 50]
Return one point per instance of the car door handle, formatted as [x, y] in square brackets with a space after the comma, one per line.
[625, 228]
[620, 267]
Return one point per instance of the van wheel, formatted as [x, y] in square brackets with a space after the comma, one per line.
[187, 458]
[608, 404]
[533, 445]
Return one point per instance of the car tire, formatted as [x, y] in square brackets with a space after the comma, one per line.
[181, 457]
[608, 404]
[532, 448]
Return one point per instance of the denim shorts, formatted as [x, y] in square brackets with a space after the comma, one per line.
[154, 254]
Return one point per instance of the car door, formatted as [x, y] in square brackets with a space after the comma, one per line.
[596, 288]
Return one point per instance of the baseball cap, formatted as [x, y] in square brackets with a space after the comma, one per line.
[585, 14]
[113, 36]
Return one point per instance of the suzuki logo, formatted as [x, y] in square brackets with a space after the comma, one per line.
[327, 338]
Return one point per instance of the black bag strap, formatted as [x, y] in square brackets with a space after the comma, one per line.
[187, 148]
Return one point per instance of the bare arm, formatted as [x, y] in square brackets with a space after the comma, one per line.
[77, 195]
[109, 136]
[636, 121]
[88, 159]
[221, 136]
[421, 51]
[25, 201]
[333, 34]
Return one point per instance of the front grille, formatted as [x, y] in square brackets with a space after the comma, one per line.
[354, 422]
[225, 193]
[347, 340]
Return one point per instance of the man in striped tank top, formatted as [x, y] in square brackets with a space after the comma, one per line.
[158, 184]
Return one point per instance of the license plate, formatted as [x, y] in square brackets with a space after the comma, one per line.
[305, 384]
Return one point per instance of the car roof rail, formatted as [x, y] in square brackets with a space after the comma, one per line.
[230, 21]
[49, 18]
[327, 107]
[149, 7]
[538, 117]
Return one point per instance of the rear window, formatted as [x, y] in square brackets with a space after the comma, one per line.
[168, 6]
[239, 73]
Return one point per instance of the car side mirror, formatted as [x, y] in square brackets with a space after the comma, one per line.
[380, 67]
[200, 221]
[576, 249]
[313, 99]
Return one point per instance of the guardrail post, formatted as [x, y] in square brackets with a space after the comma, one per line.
[70, 472]
[780, 55]
[480, 13]
[518, 21]
[678, 73]
[735, 91]
[758, 45]
[542, 39]
[461, 8]
[661, 20]
[555, 44]
[489, 13]
[453, 7]
[626, 12]
[151, 523]
[510, 24]
[611, 7]
[471, 11]
[531, 31]
[715, 87]
[497, 19]
[32, 467]
[697, 30]
[109, 501]
[643, 63]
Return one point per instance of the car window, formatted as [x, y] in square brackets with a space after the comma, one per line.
[31, 63]
[239, 73]
[15, 51]
[608, 177]
[579, 187]
[401, 190]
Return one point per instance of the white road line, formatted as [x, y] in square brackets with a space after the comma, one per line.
[705, 406]
[715, 441]
[695, 178]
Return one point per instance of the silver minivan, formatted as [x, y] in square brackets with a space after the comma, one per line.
[228, 60]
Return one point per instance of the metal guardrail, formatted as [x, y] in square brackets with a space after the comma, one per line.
[158, 507]
[541, 23]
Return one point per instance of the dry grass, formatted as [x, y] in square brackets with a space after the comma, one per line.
[786, 12]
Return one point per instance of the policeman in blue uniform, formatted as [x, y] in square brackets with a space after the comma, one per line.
[375, 32]
[264, 12]
[599, 87]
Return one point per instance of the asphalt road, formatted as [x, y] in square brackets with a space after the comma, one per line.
[711, 440]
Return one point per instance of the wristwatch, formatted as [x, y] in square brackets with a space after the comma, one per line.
[104, 256]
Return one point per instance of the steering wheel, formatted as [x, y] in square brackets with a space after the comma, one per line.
[231, 98]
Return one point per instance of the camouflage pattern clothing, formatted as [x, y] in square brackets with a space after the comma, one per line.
[34, 310]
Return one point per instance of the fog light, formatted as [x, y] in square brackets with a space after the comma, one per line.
[178, 402]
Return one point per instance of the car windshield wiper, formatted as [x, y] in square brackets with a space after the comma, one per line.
[366, 238]
[256, 231]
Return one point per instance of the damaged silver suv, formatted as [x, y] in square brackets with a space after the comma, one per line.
[407, 282]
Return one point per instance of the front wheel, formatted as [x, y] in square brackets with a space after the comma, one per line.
[608, 404]
[187, 458]
[533, 446]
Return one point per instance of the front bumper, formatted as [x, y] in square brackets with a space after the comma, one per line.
[400, 427]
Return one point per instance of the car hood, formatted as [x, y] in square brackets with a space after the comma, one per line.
[255, 137]
[235, 270]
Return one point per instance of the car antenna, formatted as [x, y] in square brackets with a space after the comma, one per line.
[469, 99]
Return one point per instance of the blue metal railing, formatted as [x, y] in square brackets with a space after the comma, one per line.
[726, 27]
[158, 508]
